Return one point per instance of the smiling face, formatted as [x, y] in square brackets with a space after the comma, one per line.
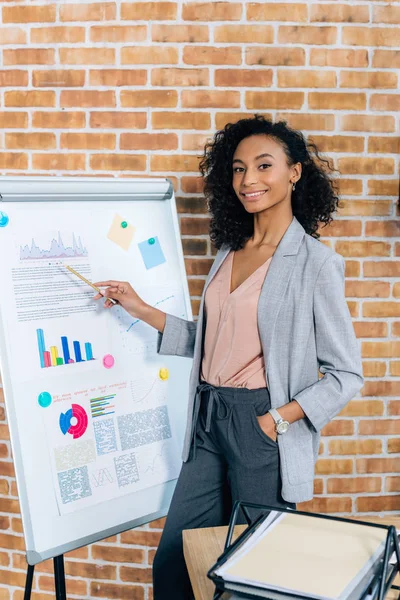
[262, 177]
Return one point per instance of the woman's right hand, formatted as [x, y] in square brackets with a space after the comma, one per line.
[124, 294]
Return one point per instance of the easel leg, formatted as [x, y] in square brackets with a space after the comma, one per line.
[59, 576]
[28, 583]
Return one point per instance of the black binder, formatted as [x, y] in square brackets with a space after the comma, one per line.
[375, 589]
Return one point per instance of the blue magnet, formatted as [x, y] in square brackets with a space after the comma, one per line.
[3, 219]
[45, 399]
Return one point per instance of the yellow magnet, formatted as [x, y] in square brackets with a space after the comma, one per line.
[163, 374]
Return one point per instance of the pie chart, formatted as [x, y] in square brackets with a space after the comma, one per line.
[78, 428]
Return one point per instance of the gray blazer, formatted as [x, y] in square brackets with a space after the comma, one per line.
[305, 327]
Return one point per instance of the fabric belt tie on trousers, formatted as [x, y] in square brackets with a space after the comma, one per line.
[215, 397]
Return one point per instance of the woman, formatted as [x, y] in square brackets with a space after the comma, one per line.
[273, 314]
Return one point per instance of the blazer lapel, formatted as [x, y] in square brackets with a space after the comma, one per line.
[276, 282]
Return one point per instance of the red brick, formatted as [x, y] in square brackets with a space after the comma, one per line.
[58, 120]
[354, 485]
[379, 427]
[342, 228]
[366, 208]
[363, 408]
[135, 574]
[302, 34]
[374, 368]
[385, 102]
[368, 166]
[206, 55]
[180, 120]
[118, 33]
[140, 538]
[210, 99]
[308, 121]
[195, 226]
[175, 162]
[58, 78]
[326, 505]
[367, 289]
[276, 12]
[383, 228]
[116, 591]
[179, 33]
[148, 141]
[89, 570]
[395, 368]
[337, 100]
[87, 56]
[383, 58]
[118, 77]
[56, 162]
[368, 329]
[362, 248]
[288, 57]
[295, 78]
[243, 34]
[58, 35]
[149, 11]
[98, 11]
[198, 266]
[340, 13]
[378, 465]
[118, 162]
[29, 14]
[19, 141]
[114, 554]
[365, 79]
[370, 36]
[384, 145]
[143, 55]
[87, 98]
[328, 466]
[213, 11]
[394, 446]
[382, 187]
[324, 57]
[88, 141]
[179, 77]
[346, 447]
[243, 77]
[12, 160]
[367, 123]
[29, 56]
[13, 78]
[392, 484]
[149, 98]
[378, 503]
[12, 35]
[118, 120]
[270, 100]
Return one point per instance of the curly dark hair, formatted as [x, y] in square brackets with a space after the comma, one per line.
[313, 201]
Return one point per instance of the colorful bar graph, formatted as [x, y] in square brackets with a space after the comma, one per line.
[53, 357]
[65, 347]
[100, 407]
[88, 350]
[47, 359]
[42, 348]
[77, 351]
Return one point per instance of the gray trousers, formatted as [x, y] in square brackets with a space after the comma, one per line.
[232, 459]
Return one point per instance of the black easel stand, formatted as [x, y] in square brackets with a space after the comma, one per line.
[59, 577]
[377, 589]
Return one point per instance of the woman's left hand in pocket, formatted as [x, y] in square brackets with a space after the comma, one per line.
[267, 424]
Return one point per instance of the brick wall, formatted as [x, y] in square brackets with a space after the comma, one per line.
[97, 89]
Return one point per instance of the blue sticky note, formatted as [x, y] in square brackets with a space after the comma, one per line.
[152, 253]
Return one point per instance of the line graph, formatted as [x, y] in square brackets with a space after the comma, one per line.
[57, 249]
[154, 306]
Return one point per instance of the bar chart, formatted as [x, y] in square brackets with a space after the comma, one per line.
[101, 406]
[65, 354]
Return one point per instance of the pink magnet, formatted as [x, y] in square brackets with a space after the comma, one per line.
[108, 361]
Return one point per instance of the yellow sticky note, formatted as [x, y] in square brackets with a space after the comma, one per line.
[163, 374]
[121, 232]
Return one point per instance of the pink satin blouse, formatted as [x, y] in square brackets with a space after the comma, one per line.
[233, 355]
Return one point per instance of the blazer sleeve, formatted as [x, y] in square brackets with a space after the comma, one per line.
[178, 337]
[338, 353]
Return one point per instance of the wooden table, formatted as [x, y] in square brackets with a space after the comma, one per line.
[202, 547]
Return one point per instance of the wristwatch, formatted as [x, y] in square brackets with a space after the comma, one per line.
[281, 426]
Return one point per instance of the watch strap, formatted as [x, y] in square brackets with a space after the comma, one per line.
[275, 415]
